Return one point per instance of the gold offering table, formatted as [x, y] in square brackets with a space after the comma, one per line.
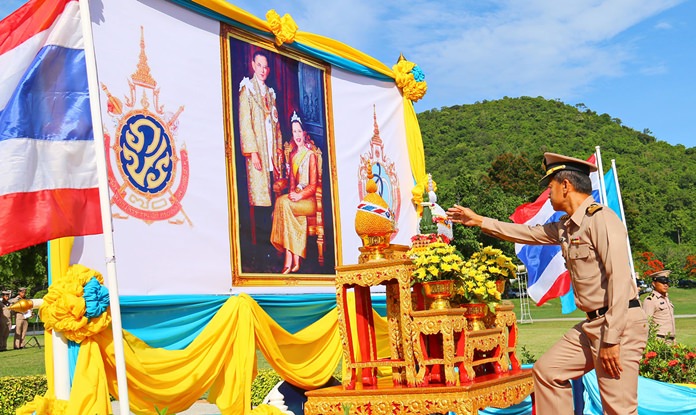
[426, 350]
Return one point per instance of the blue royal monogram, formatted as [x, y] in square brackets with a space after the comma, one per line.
[146, 154]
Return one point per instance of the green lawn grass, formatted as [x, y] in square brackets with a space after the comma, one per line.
[535, 337]
[538, 336]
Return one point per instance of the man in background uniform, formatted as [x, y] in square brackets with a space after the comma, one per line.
[658, 306]
[593, 242]
[21, 323]
[5, 319]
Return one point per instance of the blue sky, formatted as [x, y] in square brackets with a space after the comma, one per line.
[631, 59]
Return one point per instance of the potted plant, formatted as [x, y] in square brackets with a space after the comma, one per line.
[482, 279]
[436, 267]
[498, 266]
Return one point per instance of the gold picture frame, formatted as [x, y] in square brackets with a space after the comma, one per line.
[295, 86]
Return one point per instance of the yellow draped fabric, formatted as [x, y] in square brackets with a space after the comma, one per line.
[221, 360]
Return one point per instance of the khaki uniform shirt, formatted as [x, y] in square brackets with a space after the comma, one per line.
[595, 249]
[6, 312]
[662, 311]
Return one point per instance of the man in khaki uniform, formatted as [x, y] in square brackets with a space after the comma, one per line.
[21, 323]
[658, 306]
[593, 242]
[5, 319]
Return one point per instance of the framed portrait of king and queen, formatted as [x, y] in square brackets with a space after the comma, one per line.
[280, 156]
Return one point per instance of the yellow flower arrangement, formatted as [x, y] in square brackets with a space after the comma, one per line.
[436, 261]
[476, 283]
[493, 262]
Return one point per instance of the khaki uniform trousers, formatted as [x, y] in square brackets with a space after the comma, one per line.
[578, 353]
[20, 334]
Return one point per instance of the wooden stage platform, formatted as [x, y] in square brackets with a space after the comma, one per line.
[496, 390]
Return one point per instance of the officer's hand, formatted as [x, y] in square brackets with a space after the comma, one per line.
[610, 355]
[464, 215]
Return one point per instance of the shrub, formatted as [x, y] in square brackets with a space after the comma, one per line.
[15, 391]
[265, 380]
[673, 363]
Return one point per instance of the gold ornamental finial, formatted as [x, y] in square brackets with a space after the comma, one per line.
[376, 139]
[142, 75]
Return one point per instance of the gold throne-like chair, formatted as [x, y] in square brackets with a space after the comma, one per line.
[315, 223]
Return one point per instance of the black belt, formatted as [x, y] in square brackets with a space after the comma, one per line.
[662, 336]
[600, 312]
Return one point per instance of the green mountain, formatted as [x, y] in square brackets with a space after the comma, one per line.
[488, 156]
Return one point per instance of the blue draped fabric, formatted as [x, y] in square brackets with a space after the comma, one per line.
[173, 321]
[654, 398]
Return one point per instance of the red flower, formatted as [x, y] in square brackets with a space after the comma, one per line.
[650, 355]
[673, 363]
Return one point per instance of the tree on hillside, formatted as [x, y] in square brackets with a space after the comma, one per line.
[515, 174]
[25, 268]
[489, 141]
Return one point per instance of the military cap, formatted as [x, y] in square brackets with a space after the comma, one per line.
[661, 276]
[20, 289]
[553, 163]
[6, 292]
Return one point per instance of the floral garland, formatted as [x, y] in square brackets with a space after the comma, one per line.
[283, 28]
[76, 304]
[410, 79]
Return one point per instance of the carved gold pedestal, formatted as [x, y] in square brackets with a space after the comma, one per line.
[498, 391]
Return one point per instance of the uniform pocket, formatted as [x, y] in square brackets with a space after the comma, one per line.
[579, 252]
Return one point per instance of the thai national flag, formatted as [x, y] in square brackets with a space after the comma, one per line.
[48, 180]
[548, 277]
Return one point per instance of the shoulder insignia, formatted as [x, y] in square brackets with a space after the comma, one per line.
[564, 217]
[593, 208]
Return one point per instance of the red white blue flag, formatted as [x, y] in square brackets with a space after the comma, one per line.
[547, 275]
[48, 179]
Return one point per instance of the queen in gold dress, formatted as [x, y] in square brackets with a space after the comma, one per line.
[289, 230]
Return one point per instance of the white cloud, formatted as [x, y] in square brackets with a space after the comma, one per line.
[486, 49]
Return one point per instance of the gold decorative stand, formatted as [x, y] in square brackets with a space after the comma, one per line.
[424, 344]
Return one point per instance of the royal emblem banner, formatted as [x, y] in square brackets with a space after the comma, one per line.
[234, 165]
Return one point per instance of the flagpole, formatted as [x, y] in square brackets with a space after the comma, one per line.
[623, 216]
[602, 187]
[110, 256]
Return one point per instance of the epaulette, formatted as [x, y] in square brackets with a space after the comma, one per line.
[564, 217]
[593, 208]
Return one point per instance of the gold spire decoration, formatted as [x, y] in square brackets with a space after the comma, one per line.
[142, 75]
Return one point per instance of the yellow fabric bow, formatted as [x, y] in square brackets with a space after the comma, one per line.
[63, 308]
[405, 80]
[283, 28]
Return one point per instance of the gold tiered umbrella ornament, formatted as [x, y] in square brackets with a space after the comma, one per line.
[374, 222]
